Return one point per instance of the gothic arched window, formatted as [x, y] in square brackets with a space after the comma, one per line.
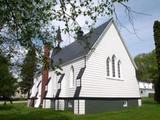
[108, 66]
[113, 66]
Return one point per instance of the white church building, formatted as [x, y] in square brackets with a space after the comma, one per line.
[99, 78]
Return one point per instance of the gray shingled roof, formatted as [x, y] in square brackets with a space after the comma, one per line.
[77, 48]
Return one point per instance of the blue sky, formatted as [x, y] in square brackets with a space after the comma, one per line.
[143, 25]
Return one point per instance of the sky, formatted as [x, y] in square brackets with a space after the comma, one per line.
[140, 41]
[143, 24]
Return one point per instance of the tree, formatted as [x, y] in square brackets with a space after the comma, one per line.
[156, 29]
[147, 67]
[28, 70]
[28, 23]
[7, 82]
[22, 21]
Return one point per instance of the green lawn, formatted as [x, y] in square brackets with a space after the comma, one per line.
[149, 111]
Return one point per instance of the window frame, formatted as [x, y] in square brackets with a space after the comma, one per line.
[113, 66]
[115, 69]
[71, 77]
[119, 68]
[108, 66]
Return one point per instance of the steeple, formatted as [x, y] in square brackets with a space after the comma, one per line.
[58, 37]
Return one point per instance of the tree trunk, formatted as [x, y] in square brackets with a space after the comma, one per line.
[157, 47]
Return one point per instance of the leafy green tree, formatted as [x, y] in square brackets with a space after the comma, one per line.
[28, 70]
[24, 20]
[29, 22]
[147, 67]
[156, 28]
[7, 82]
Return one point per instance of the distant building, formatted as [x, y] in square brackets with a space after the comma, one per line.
[19, 95]
[146, 88]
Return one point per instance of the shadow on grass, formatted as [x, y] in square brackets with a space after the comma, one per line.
[34, 117]
[34, 114]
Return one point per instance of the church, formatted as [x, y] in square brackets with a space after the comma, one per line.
[97, 75]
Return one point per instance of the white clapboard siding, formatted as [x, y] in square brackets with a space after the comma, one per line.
[34, 89]
[79, 108]
[52, 85]
[76, 107]
[66, 90]
[59, 105]
[38, 101]
[95, 82]
[46, 103]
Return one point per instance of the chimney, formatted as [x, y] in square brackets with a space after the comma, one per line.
[79, 35]
[45, 71]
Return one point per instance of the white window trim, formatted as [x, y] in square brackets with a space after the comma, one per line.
[110, 77]
[115, 78]
[72, 85]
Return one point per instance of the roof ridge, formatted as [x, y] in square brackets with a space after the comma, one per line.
[77, 49]
[89, 32]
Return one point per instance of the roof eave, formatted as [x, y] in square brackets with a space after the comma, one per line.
[96, 43]
[134, 64]
[106, 29]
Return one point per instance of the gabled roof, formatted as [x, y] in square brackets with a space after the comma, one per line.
[78, 48]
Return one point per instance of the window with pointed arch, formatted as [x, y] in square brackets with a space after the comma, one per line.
[108, 66]
[113, 66]
[119, 68]
[71, 77]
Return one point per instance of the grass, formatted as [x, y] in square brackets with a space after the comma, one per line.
[19, 111]
[149, 111]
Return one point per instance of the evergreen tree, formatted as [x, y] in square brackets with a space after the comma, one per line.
[28, 70]
[7, 82]
[156, 28]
